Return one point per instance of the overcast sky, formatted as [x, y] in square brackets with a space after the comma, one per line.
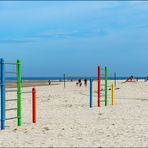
[52, 38]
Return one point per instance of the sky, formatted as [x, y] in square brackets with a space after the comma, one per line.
[51, 37]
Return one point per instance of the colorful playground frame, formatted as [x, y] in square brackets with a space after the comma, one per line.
[19, 95]
[99, 88]
[99, 85]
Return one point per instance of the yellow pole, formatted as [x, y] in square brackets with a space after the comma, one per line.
[113, 95]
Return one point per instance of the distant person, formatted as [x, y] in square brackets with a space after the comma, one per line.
[146, 79]
[85, 82]
[79, 80]
[80, 83]
[129, 79]
[77, 83]
[49, 82]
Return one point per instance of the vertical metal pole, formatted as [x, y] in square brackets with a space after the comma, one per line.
[113, 94]
[115, 79]
[106, 86]
[90, 93]
[2, 94]
[64, 80]
[99, 85]
[33, 105]
[19, 93]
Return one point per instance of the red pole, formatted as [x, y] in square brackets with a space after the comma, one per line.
[33, 105]
[99, 86]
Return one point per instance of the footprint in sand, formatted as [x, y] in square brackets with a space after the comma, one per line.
[70, 105]
[46, 128]
[15, 129]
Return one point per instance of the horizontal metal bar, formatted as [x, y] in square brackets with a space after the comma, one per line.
[11, 91]
[11, 118]
[27, 92]
[7, 126]
[102, 101]
[102, 69]
[110, 74]
[9, 109]
[11, 86]
[11, 81]
[11, 63]
[11, 100]
[9, 72]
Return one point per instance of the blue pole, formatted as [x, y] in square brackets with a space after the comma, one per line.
[90, 92]
[2, 94]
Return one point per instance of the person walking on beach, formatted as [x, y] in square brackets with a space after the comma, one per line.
[85, 82]
[49, 82]
[80, 83]
[146, 79]
[130, 79]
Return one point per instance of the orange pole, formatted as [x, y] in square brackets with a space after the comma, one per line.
[33, 105]
[99, 77]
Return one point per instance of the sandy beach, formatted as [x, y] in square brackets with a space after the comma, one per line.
[65, 119]
[64, 55]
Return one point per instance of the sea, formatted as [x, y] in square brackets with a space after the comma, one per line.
[65, 78]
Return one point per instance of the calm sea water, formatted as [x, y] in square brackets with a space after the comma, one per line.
[67, 78]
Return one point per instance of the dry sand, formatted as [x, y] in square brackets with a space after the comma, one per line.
[65, 119]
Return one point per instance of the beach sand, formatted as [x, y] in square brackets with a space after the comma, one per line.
[65, 119]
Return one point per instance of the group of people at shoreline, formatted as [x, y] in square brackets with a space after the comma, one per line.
[79, 83]
[129, 79]
[135, 79]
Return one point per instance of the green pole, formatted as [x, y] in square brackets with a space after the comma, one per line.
[106, 86]
[19, 93]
